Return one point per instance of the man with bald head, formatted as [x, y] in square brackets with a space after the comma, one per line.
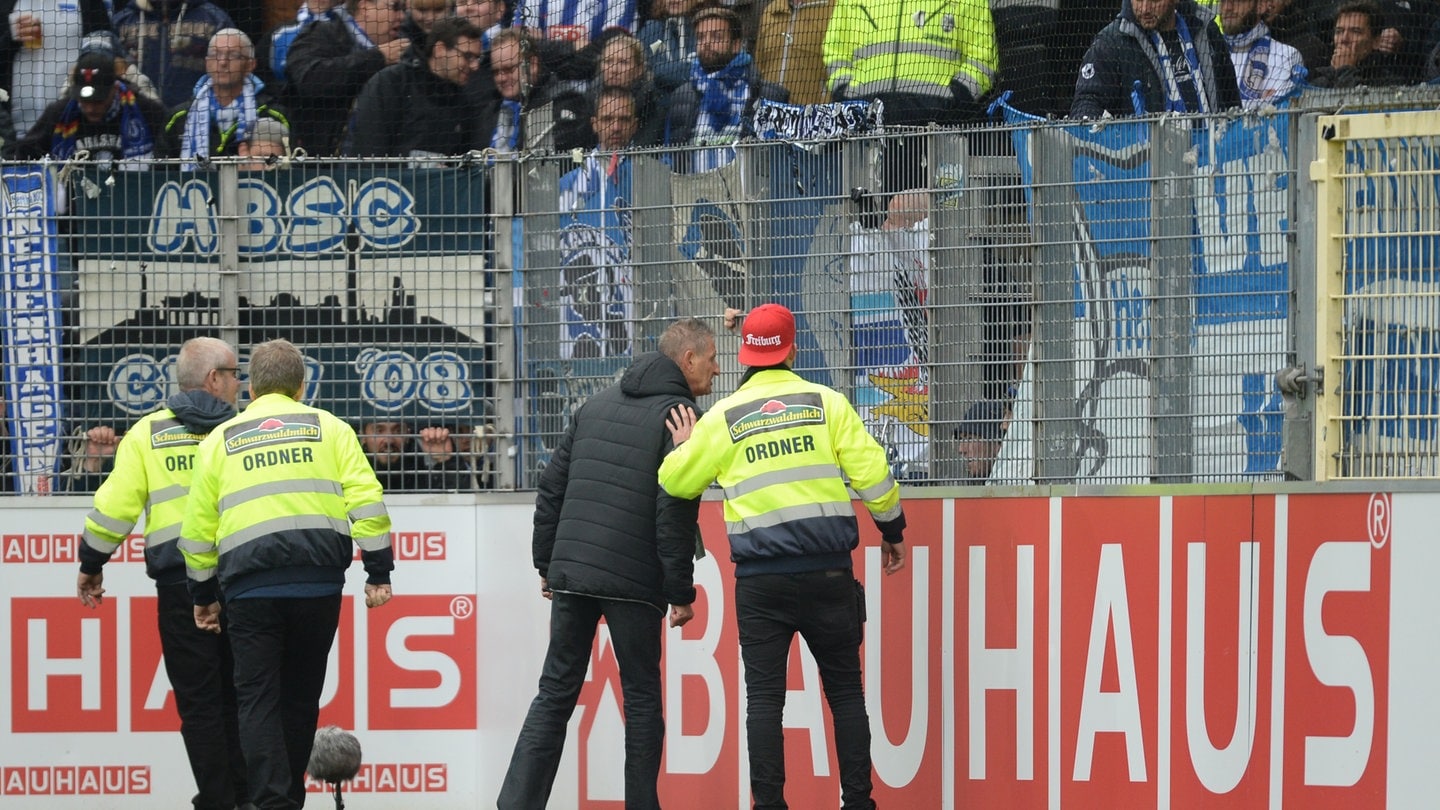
[152, 472]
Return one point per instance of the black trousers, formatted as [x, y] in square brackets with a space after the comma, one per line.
[635, 631]
[201, 671]
[280, 647]
[824, 608]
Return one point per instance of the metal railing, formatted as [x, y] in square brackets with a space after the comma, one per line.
[1156, 301]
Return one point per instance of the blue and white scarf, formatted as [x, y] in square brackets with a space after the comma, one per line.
[1255, 44]
[507, 127]
[1174, 99]
[356, 32]
[240, 114]
[724, 95]
[136, 139]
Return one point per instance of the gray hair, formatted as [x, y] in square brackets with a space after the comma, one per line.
[198, 357]
[686, 334]
[233, 32]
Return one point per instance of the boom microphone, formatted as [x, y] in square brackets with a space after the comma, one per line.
[334, 758]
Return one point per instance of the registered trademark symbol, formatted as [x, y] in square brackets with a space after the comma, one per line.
[1377, 520]
[462, 607]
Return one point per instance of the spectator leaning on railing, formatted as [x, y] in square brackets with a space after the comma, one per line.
[103, 117]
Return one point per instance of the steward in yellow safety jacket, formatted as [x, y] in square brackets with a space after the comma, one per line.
[778, 447]
[781, 448]
[151, 476]
[927, 62]
[154, 463]
[279, 493]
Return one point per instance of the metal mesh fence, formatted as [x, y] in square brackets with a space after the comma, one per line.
[379, 273]
[1377, 178]
[1027, 303]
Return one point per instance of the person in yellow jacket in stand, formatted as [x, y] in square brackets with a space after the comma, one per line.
[153, 465]
[280, 492]
[928, 62]
[782, 448]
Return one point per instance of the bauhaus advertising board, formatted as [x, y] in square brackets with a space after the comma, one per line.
[1260, 650]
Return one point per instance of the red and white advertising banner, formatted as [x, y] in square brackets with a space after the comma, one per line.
[1245, 651]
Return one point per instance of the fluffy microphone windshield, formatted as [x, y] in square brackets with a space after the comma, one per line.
[336, 755]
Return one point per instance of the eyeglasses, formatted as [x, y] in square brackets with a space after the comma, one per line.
[230, 369]
[228, 56]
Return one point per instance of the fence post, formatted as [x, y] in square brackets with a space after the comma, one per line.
[1053, 344]
[1297, 444]
[505, 352]
[958, 218]
[1172, 227]
[652, 248]
[227, 214]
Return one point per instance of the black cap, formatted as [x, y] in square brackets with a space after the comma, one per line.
[94, 76]
[983, 420]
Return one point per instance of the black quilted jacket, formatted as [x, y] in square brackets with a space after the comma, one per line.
[603, 526]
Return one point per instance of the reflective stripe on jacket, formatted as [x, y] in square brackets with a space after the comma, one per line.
[153, 465]
[278, 494]
[779, 447]
[896, 47]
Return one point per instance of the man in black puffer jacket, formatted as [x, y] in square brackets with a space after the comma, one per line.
[1157, 56]
[610, 543]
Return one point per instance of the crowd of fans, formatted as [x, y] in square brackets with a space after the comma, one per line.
[432, 79]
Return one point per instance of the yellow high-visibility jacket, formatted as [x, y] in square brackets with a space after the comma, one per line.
[781, 448]
[279, 492]
[152, 472]
[893, 46]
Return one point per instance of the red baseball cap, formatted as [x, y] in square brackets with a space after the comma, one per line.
[767, 336]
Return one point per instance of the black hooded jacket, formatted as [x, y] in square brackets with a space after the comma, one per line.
[1122, 54]
[603, 525]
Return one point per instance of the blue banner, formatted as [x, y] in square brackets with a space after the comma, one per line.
[31, 328]
[1238, 182]
[377, 274]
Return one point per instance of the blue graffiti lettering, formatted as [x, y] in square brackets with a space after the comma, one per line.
[260, 211]
[139, 383]
[182, 220]
[313, 218]
[390, 380]
[384, 212]
[317, 217]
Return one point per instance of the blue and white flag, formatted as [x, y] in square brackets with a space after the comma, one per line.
[30, 321]
[597, 296]
[1240, 279]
